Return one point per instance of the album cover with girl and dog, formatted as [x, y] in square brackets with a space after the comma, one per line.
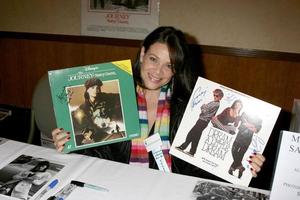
[96, 104]
[221, 128]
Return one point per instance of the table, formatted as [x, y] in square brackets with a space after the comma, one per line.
[123, 181]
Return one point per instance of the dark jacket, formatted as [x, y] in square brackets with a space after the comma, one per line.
[120, 152]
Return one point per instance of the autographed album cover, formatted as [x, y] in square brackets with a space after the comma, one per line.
[95, 103]
[221, 128]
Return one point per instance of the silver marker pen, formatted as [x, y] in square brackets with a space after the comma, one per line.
[95, 187]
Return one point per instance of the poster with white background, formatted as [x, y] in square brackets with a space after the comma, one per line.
[130, 19]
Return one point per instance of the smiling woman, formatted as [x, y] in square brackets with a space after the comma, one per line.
[157, 69]
[164, 82]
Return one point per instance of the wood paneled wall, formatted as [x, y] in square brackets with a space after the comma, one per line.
[25, 60]
[26, 57]
[274, 81]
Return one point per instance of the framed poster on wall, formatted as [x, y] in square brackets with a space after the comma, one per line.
[128, 19]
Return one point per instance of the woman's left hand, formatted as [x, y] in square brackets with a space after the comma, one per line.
[256, 161]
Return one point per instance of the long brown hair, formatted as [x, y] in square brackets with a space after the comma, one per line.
[182, 81]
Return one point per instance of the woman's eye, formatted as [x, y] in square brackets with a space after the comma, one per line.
[170, 66]
[153, 59]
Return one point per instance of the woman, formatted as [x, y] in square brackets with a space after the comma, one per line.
[164, 82]
[249, 126]
[229, 118]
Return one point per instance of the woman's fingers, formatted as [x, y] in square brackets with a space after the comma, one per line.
[256, 161]
[60, 137]
[60, 144]
[55, 132]
[254, 169]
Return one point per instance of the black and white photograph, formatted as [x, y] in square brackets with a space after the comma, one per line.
[205, 190]
[25, 175]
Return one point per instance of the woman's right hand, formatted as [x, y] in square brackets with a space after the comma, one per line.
[60, 137]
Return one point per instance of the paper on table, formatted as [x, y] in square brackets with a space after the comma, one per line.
[82, 193]
[124, 182]
[8, 149]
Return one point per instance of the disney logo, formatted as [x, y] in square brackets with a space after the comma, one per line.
[89, 68]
